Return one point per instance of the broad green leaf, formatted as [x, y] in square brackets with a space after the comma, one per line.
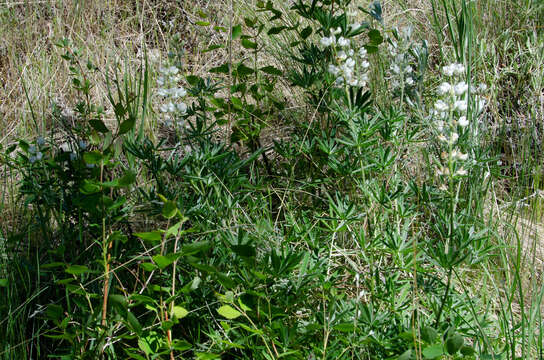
[195, 247]
[375, 36]
[148, 266]
[276, 30]
[236, 31]
[222, 69]
[202, 23]
[229, 312]
[77, 269]
[271, 70]
[248, 44]
[162, 261]
[169, 209]
[243, 70]
[152, 236]
[127, 125]
[99, 126]
[307, 31]
[433, 351]
[454, 343]
[467, 350]
[180, 312]
[92, 157]
[428, 334]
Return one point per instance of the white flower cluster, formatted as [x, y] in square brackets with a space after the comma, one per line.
[403, 75]
[171, 93]
[450, 113]
[350, 67]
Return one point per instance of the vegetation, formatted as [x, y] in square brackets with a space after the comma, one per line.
[262, 180]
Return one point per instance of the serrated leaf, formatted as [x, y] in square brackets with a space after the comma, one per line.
[180, 312]
[271, 70]
[229, 312]
[243, 70]
[222, 69]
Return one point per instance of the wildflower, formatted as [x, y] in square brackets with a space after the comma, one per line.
[327, 41]
[40, 141]
[82, 144]
[350, 63]
[440, 105]
[342, 55]
[178, 92]
[73, 156]
[462, 156]
[181, 107]
[445, 88]
[32, 149]
[163, 92]
[458, 69]
[410, 81]
[461, 88]
[454, 137]
[463, 122]
[408, 69]
[337, 31]
[448, 70]
[460, 105]
[343, 42]
[365, 64]
[333, 69]
[362, 52]
[461, 172]
[395, 68]
[481, 88]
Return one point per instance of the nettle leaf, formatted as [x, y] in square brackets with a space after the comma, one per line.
[127, 125]
[243, 70]
[306, 32]
[375, 37]
[77, 269]
[371, 49]
[236, 31]
[222, 69]
[152, 236]
[248, 44]
[162, 261]
[271, 70]
[276, 30]
[229, 312]
[92, 157]
[180, 312]
[99, 126]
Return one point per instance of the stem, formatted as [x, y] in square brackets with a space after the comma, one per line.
[446, 293]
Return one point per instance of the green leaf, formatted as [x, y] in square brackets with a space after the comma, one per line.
[467, 350]
[428, 334]
[345, 327]
[53, 312]
[195, 247]
[307, 31]
[243, 70]
[180, 312]
[148, 266]
[92, 157]
[375, 37]
[99, 126]
[276, 30]
[181, 345]
[162, 261]
[271, 70]
[236, 31]
[127, 179]
[192, 79]
[229, 312]
[244, 250]
[77, 269]
[169, 209]
[454, 343]
[202, 23]
[152, 236]
[237, 103]
[127, 125]
[407, 355]
[222, 69]
[248, 44]
[3, 282]
[433, 351]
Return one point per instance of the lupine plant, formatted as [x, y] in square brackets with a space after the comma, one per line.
[166, 223]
